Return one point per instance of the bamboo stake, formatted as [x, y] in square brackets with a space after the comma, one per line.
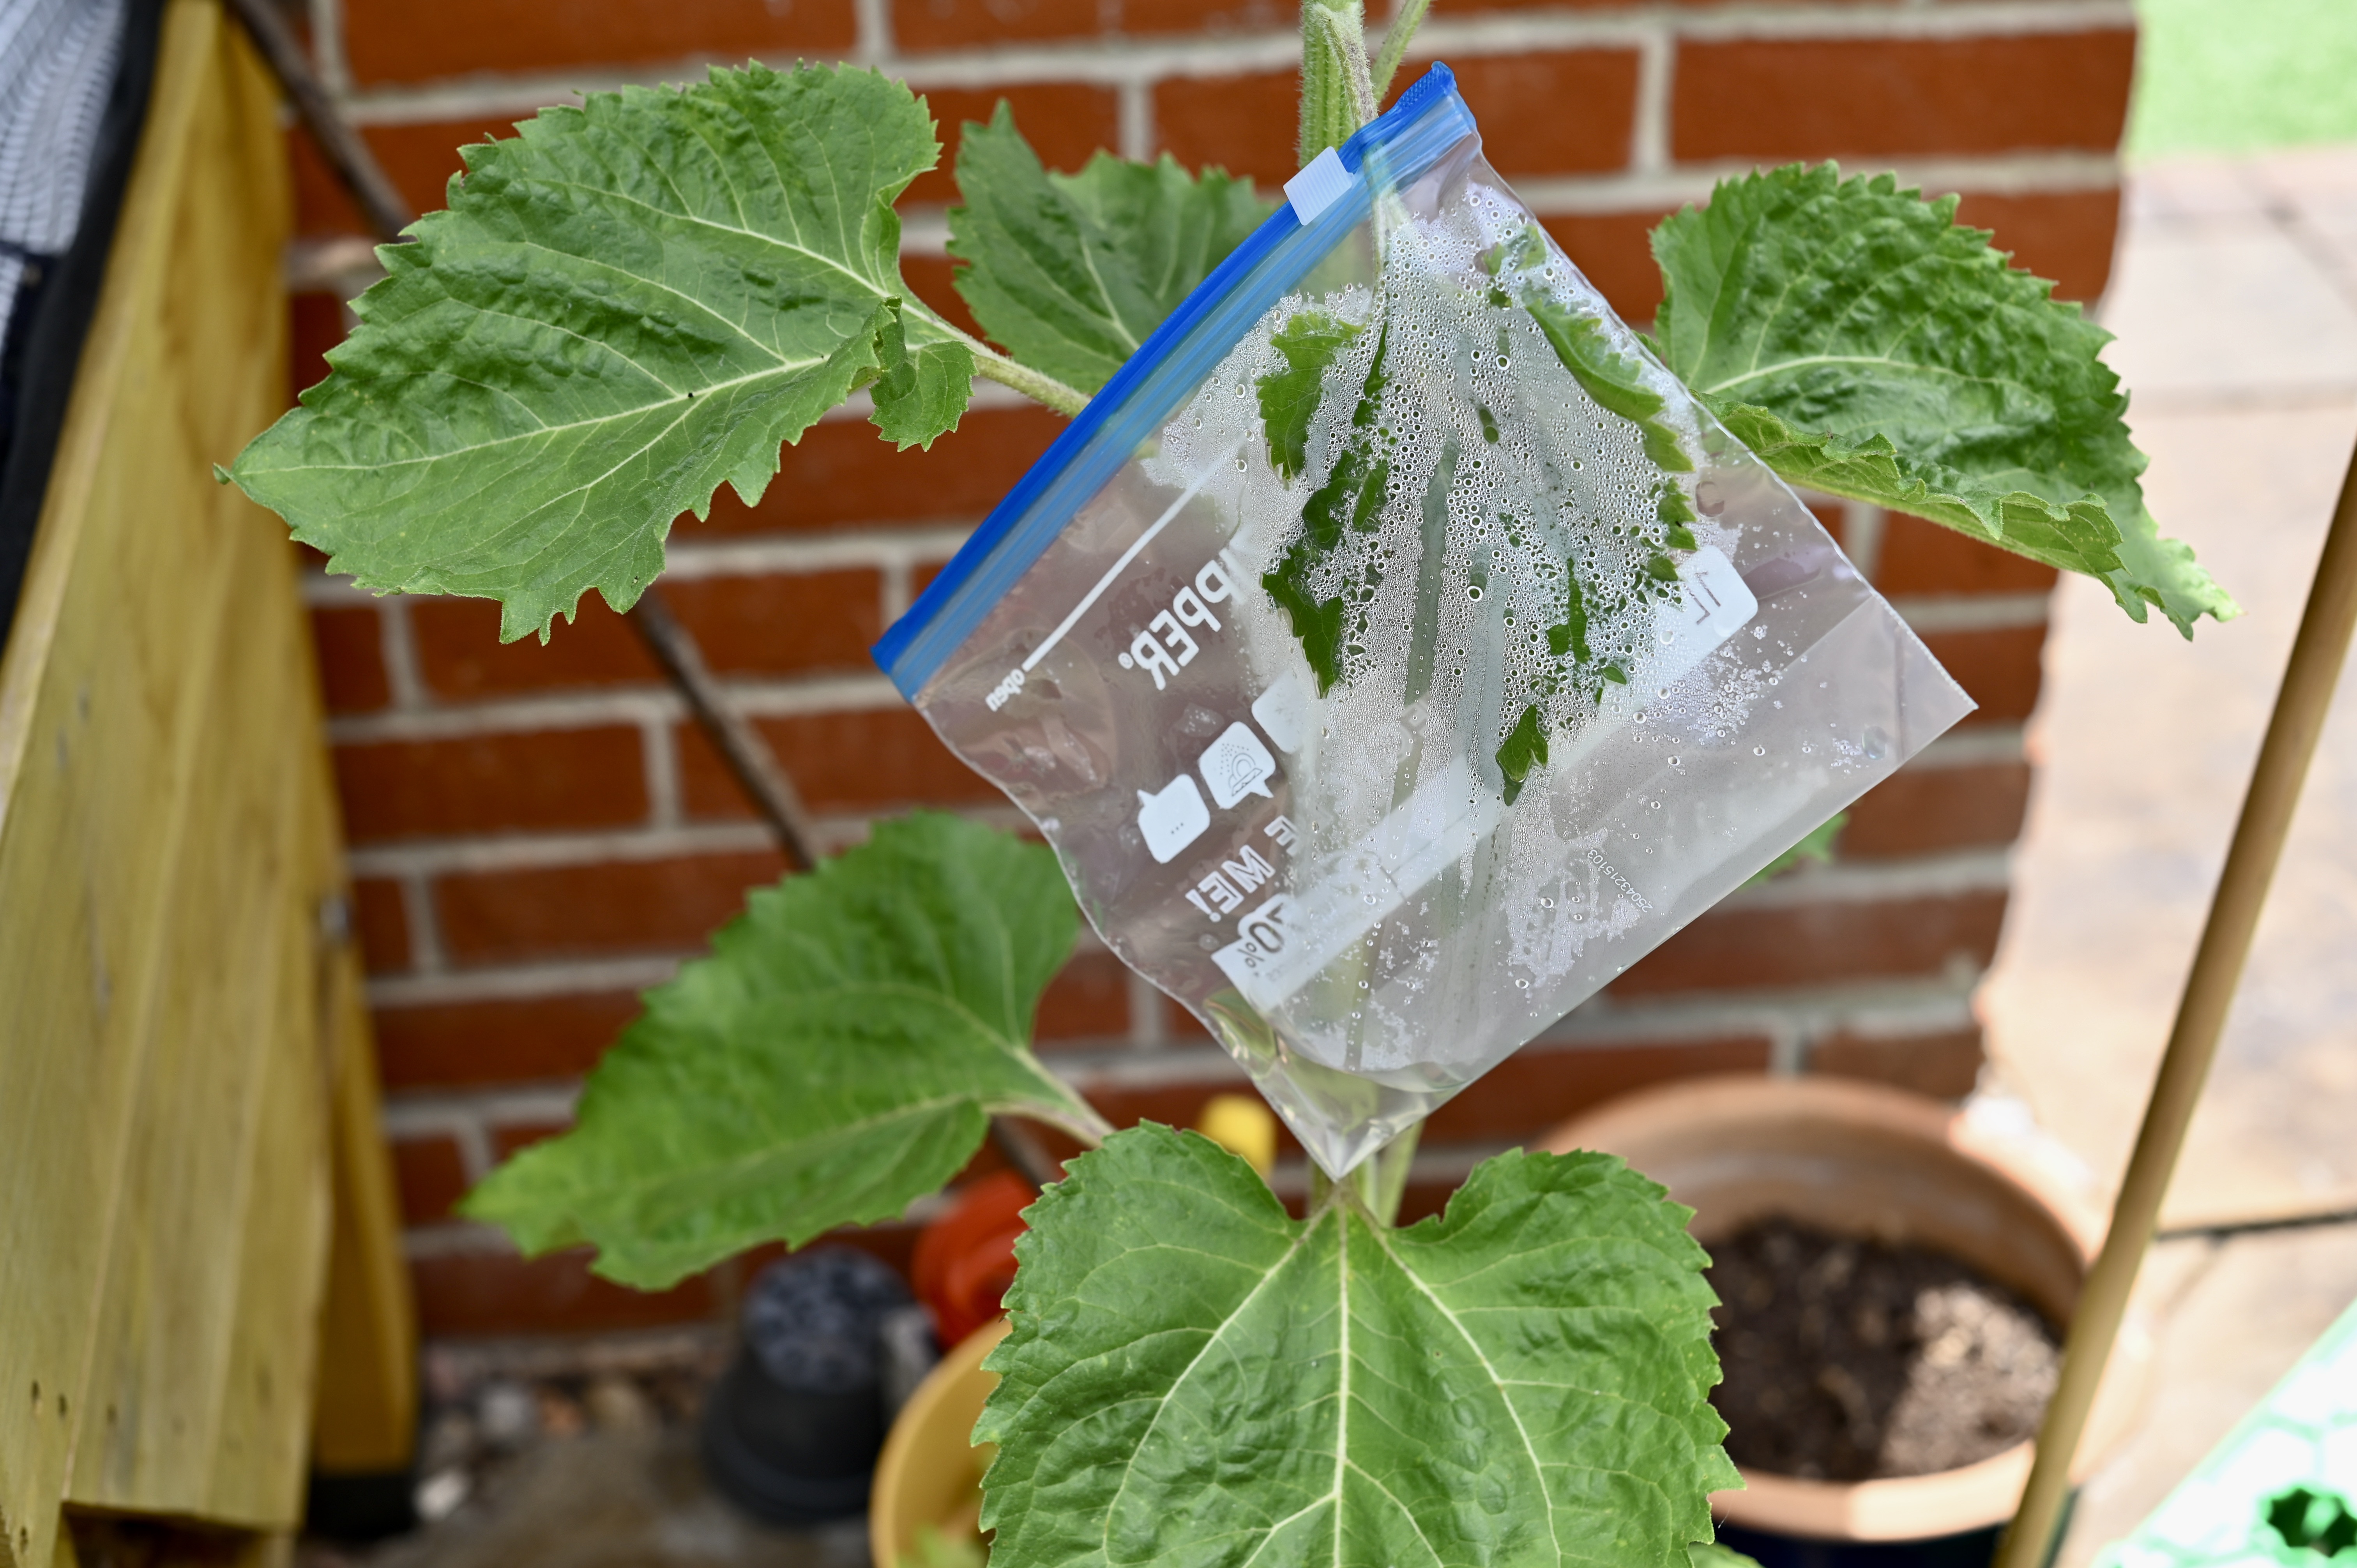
[2300, 714]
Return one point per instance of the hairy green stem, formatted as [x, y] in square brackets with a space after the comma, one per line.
[1337, 93]
[1037, 385]
[1395, 41]
[988, 362]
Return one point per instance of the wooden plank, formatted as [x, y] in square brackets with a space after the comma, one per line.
[226, 1168]
[208, 1321]
[272, 1332]
[365, 1416]
[95, 747]
[167, 838]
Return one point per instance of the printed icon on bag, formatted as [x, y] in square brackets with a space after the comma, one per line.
[1237, 765]
[1172, 818]
[1284, 711]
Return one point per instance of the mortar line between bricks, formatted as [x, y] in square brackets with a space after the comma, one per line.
[459, 721]
[659, 753]
[1118, 59]
[1656, 72]
[398, 646]
[1864, 525]
[1869, 882]
[418, 1113]
[427, 953]
[791, 697]
[872, 22]
[1688, 1015]
[542, 850]
[463, 1125]
[925, 230]
[1929, 613]
[1928, 1007]
[779, 553]
[455, 1238]
[328, 55]
[427, 1116]
[2009, 174]
[782, 697]
[522, 982]
[1146, 1025]
[1133, 109]
[1964, 871]
[791, 556]
[1974, 748]
[896, 590]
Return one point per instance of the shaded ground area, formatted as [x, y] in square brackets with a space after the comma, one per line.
[581, 1454]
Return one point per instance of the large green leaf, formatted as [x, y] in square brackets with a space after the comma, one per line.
[837, 1055]
[1193, 1377]
[623, 306]
[1072, 271]
[1865, 345]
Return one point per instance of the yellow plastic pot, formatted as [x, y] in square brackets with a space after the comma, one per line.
[929, 1473]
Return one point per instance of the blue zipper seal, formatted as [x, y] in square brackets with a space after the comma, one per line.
[1428, 119]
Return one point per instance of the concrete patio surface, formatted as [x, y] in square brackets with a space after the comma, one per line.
[2235, 304]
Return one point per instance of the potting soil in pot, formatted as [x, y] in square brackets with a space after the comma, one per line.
[1849, 1360]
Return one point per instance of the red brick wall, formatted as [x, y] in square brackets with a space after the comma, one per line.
[537, 834]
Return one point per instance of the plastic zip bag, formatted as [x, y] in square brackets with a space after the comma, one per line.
[1394, 653]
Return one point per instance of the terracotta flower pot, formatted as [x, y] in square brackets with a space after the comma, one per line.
[1874, 1162]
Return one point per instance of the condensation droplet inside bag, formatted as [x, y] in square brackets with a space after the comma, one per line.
[1407, 604]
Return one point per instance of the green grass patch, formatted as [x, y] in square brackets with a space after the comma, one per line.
[2237, 76]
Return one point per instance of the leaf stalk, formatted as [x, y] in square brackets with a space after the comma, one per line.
[1395, 41]
[1037, 385]
[1389, 1182]
[988, 362]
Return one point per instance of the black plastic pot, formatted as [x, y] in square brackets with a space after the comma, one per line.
[791, 1431]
